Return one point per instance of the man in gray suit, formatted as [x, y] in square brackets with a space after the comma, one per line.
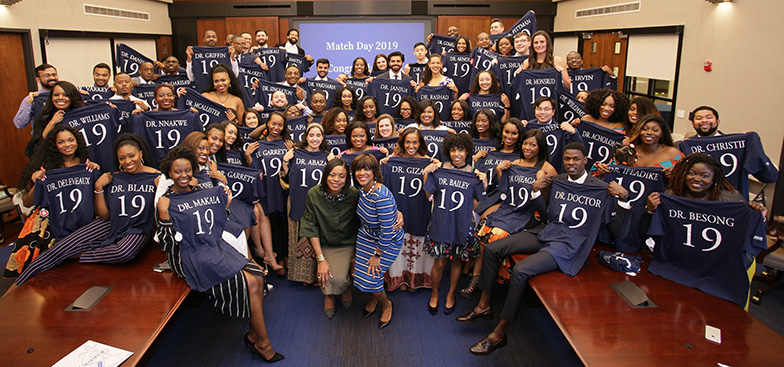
[558, 245]
[396, 60]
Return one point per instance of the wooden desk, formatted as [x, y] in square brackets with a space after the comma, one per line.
[129, 317]
[605, 331]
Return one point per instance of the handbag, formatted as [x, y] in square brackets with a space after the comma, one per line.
[34, 239]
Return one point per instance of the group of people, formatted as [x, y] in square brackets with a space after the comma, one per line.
[346, 194]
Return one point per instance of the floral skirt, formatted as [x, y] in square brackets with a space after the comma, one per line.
[463, 251]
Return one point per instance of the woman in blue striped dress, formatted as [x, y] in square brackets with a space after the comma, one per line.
[378, 243]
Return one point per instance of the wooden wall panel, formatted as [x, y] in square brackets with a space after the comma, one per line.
[283, 28]
[164, 47]
[13, 82]
[237, 25]
[471, 26]
[216, 24]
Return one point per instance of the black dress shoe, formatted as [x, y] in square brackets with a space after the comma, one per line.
[367, 313]
[470, 316]
[486, 346]
[273, 359]
[383, 324]
[432, 310]
[449, 310]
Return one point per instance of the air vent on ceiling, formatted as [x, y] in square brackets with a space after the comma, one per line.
[608, 10]
[115, 13]
[461, 5]
[269, 6]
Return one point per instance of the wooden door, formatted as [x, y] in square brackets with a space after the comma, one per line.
[163, 47]
[609, 49]
[13, 83]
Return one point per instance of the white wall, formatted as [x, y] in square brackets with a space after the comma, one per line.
[742, 39]
[69, 15]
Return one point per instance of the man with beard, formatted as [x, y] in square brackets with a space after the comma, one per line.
[705, 121]
[210, 38]
[46, 75]
[261, 39]
[396, 60]
[291, 45]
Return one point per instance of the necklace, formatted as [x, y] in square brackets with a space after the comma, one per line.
[223, 101]
[371, 188]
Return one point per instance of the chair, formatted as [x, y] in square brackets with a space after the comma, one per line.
[773, 261]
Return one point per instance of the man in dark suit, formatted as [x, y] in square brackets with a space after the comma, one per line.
[560, 244]
[396, 60]
[291, 46]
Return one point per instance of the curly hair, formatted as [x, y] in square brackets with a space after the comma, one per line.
[520, 131]
[492, 126]
[495, 88]
[179, 152]
[369, 162]
[328, 121]
[336, 102]
[400, 148]
[134, 141]
[681, 169]
[596, 97]
[666, 138]
[459, 141]
[47, 155]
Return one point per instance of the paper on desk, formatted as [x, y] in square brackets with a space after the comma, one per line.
[94, 354]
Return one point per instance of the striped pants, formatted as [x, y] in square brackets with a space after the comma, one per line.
[79, 243]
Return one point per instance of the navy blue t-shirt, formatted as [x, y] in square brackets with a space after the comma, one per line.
[458, 67]
[266, 89]
[535, 83]
[434, 139]
[360, 87]
[569, 108]
[246, 189]
[441, 96]
[177, 81]
[130, 200]
[485, 144]
[453, 193]
[249, 73]
[336, 143]
[556, 140]
[98, 125]
[640, 182]
[504, 70]
[209, 111]
[203, 60]
[516, 208]
[299, 60]
[244, 135]
[305, 171]
[702, 244]
[481, 59]
[590, 79]
[297, 127]
[199, 216]
[403, 178]
[458, 126]
[491, 101]
[489, 163]
[146, 92]
[275, 58]
[163, 130]
[439, 44]
[329, 87]
[269, 158]
[389, 93]
[600, 142]
[129, 60]
[740, 155]
[389, 143]
[97, 93]
[67, 195]
[416, 70]
[576, 212]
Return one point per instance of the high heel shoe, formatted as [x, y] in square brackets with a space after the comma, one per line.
[383, 324]
[247, 341]
[369, 313]
[473, 284]
[277, 357]
[269, 259]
